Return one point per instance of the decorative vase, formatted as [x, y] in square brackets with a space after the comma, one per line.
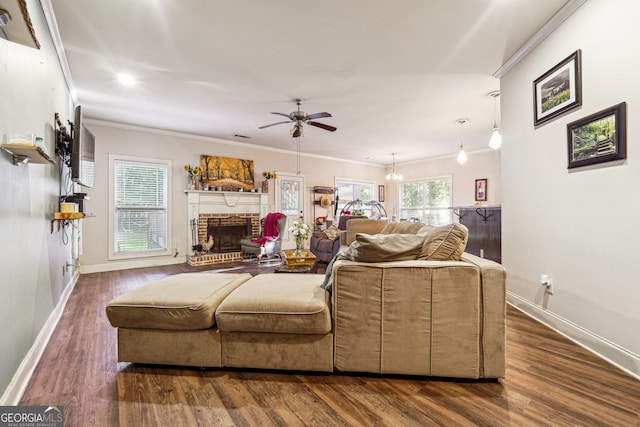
[191, 182]
[298, 246]
[265, 186]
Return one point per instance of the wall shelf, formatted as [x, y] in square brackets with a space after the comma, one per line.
[63, 218]
[23, 154]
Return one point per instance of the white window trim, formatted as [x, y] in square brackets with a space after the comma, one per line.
[431, 178]
[146, 254]
[358, 181]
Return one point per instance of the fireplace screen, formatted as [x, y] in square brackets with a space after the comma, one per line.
[227, 233]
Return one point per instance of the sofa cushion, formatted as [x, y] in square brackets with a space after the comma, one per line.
[180, 302]
[445, 243]
[277, 303]
[384, 247]
[402, 227]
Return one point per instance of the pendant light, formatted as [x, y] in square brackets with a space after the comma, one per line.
[298, 153]
[462, 156]
[496, 139]
[394, 175]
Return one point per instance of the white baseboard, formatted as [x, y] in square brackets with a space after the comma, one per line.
[611, 352]
[18, 384]
[133, 263]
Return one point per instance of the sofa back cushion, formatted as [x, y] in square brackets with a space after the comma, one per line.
[445, 243]
[344, 218]
[384, 247]
[402, 227]
[363, 225]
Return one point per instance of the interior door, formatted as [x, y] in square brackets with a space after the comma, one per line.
[290, 201]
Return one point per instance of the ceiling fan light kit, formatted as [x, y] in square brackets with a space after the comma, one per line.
[299, 118]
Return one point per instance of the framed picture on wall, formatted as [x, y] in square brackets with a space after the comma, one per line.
[558, 90]
[598, 138]
[381, 193]
[481, 190]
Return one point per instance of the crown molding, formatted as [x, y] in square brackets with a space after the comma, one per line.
[549, 27]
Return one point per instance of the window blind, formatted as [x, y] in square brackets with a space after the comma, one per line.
[140, 203]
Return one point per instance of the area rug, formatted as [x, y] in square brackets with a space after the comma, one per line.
[250, 266]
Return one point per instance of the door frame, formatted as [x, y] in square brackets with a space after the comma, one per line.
[288, 241]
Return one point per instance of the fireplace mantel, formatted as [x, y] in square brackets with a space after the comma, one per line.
[231, 202]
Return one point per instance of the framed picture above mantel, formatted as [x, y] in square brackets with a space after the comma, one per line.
[559, 90]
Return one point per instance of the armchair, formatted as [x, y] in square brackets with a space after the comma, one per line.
[323, 247]
[270, 241]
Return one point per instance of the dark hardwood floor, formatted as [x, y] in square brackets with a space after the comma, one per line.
[549, 382]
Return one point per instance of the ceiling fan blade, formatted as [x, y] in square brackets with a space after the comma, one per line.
[323, 126]
[283, 114]
[272, 124]
[318, 116]
[297, 132]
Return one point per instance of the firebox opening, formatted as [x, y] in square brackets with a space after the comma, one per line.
[227, 233]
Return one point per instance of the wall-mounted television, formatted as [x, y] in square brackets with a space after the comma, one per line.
[83, 149]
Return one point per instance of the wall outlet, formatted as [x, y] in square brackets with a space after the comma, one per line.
[547, 282]
[175, 246]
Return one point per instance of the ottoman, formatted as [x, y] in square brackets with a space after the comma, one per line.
[277, 321]
[172, 321]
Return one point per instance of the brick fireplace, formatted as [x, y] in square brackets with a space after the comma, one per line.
[228, 216]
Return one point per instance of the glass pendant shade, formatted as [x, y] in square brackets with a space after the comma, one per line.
[394, 175]
[462, 157]
[496, 139]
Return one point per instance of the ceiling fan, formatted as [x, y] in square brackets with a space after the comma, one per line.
[298, 118]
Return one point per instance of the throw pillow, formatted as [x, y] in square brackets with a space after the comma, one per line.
[332, 232]
[384, 247]
[446, 243]
[402, 227]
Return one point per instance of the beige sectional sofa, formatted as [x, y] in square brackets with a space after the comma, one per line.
[409, 316]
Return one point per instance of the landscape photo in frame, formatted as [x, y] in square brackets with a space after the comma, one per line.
[227, 173]
[598, 138]
[559, 90]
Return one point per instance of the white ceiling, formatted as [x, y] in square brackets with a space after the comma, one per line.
[395, 75]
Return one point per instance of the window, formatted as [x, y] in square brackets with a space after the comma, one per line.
[427, 201]
[139, 207]
[353, 191]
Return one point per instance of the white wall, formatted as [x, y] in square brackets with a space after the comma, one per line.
[181, 149]
[481, 164]
[31, 257]
[579, 227]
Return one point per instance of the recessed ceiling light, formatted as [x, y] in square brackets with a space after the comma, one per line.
[126, 79]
